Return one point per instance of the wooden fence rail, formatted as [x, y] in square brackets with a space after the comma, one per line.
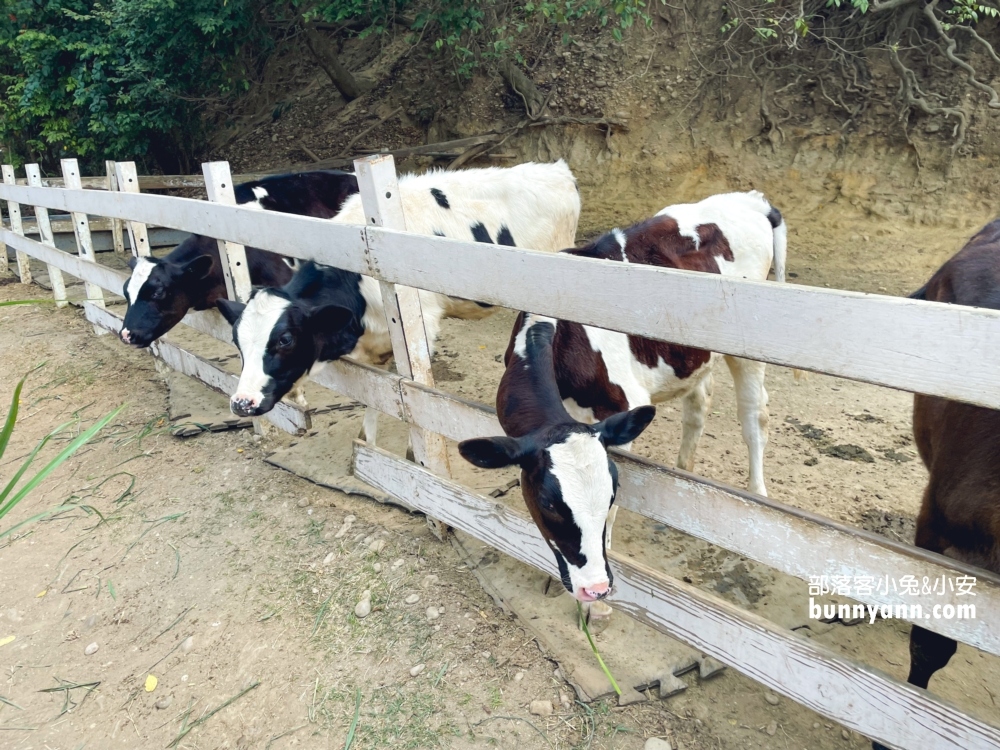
[869, 338]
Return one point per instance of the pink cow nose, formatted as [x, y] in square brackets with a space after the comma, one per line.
[243, 406]
[593, 593]
[125, 335]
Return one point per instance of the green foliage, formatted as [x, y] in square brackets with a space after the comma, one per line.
[115, 78]
[131, 79]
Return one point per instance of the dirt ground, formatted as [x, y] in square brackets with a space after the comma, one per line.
[234, 583]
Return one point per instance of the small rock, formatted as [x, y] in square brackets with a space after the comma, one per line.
[657, 743]
[274, 138]
[772, 728]
[303, 502]
[540, 708]
[414, 671]
[486, 654]
[564, 699]
[329, 558]
[428, 581]
[364, 607]
[519, 676]
[412, 599]
[91, 649]
[187, 644]
[815, 725]
[377, 546]
[90, 622]
[845, 734]
[164, 702]
[377, 567]
[771, 698]
[398, 563]
[432, 613]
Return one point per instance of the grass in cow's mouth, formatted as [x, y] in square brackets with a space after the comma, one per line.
[586, 630]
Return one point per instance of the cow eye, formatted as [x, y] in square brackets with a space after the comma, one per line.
[286, 340]
[158, 294]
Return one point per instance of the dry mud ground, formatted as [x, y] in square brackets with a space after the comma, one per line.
[200, 539]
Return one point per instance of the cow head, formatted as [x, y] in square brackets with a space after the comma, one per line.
[159, 293]
[569, 485]
[280, 339]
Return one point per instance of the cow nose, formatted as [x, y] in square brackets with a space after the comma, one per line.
[125, 335]
[243, 407]
[593, 593]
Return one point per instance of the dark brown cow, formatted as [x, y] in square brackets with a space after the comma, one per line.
[960, 446]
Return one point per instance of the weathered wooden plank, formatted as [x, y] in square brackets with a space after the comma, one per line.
[47, 238]
[81, 230]
[882, 340]
[16, 226]
[855, 695]
[219, 185]
[863, 337]
[128, 182]
[383, 207]
[376, 388]
[106, 278]
[285, 416]
[117, 228]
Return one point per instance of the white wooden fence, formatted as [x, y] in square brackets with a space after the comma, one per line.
[926, 347]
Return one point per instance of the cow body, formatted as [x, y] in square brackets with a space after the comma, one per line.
[604, 382]
[161, 291]
[960, 446]
[530, 205]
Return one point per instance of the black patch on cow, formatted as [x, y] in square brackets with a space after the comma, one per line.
[505, 237]
[480, 234]
[774, 216]
[438, 233]
[441, 198]
[320, 193]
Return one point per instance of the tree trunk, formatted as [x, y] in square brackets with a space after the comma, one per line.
[341, 77]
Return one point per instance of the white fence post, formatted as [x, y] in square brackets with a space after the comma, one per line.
[117, 238]
[46, 237]
[81, 230]
[128, 182]
[16, 225]
[219, 186]
[383, 207]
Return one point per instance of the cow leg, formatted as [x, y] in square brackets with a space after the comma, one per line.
[751, 406]
[929, 652]
[696, 404]
[369, 430]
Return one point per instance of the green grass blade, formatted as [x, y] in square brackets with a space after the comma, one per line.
[593, 646]
[8, 426]
[8, 303]
[27, 462]
[68, 451]
[43, 515]
[354, 724]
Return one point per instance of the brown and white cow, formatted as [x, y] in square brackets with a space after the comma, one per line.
[571, 390]
[960, 446]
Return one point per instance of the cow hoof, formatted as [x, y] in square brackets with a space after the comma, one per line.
[598, 617]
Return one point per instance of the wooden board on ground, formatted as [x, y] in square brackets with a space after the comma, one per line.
[324, 454]
[195, 408]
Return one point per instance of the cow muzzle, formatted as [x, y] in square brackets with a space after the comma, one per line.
[245, 406]
[134, 339]
[593, 593]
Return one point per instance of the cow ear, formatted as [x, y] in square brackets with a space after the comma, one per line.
[492, 453]
[132, 261]
[330, 319]
[230, 310]
[625, 427]
[198, 268]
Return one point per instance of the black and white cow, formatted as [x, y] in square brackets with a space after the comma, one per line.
[161, 291]
[530, 205]
[570, 390]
